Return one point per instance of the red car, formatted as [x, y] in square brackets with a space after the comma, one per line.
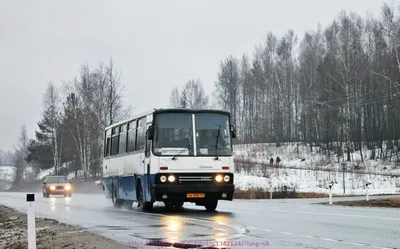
[56, 185]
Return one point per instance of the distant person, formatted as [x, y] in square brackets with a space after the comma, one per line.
[277, 160]
[271, 161]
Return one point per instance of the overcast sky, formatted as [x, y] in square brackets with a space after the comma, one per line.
[155, 44]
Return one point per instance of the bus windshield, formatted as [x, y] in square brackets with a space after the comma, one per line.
[213, 136]
[174, 134]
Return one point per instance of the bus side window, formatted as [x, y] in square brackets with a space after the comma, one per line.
[122, 139]
[132, 136]
[141, 135]
[114, 141]
[107, 144]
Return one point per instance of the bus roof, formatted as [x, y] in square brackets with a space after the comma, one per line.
[131, 118]
[168, 110]
[187, 110]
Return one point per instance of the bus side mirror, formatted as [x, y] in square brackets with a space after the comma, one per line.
[150, 133]
[233, 133]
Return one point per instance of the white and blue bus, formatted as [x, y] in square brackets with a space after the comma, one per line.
[171, 156]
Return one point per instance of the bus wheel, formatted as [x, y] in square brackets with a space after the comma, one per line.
[116, 202]
[128, 204]
[211, 205]
[146, 206]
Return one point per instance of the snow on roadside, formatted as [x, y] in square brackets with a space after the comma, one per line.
[7, 176]
[44, 173]
[380, 185]
[305, 180]
[292, 155]
[7, 173]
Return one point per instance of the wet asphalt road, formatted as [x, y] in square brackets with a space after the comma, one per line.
[290, 223]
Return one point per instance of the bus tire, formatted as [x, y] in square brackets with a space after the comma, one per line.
[116, 202]
[128, 204]
[146, 206]
[211, 205]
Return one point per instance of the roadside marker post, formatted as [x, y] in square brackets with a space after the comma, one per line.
[30, 198]
[330, 193]
[366, 186]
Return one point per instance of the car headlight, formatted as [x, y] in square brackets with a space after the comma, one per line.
[218, 178]
[52, 187]
[171, 178]
[163, 178]
[67, 187]
[226, 178]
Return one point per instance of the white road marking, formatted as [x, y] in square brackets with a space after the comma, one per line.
[286, 233]
[308, 236]
[319, 213]
[356, 244]
[334, 240]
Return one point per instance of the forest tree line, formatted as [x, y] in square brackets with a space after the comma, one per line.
[337, 86]
[69, 137]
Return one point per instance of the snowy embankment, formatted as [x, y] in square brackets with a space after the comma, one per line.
[306, 177]
[51, 171]
[7, 176]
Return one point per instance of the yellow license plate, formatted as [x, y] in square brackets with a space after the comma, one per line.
[195, 195]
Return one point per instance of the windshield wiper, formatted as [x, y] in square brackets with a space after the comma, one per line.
[175, 157]
[216, 144]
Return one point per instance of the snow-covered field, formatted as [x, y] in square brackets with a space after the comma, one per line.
[318, 182]
[313, 159]
[304, 179]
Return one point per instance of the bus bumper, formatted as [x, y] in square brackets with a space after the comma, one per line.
[192, 192]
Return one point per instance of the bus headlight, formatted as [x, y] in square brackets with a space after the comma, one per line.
[52, 188]
[171, 178]
[226, 178]
[67, 187]
[163, 178]
[218, 178]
